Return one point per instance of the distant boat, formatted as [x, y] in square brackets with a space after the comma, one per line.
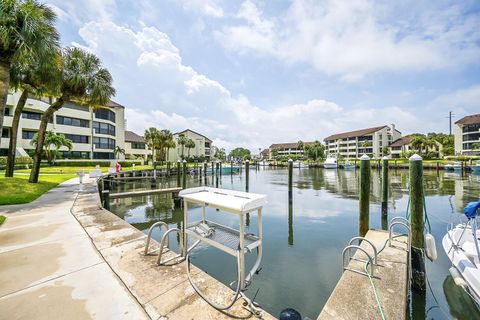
[475, 167]
[331, 162]
[453, 166]
[349, 166]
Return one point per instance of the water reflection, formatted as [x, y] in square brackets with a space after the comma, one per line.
[302, 270]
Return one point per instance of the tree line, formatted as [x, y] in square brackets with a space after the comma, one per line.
[32, 60]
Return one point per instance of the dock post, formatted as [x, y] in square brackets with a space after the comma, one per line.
[178, 173]
[231, 167]
[290, 223]
[184, 174]
[220, 165]
[106, 199]
[247, 174]
[213, 167]
[385, 193]
[417, 223]
[205, 168]
[290, 179]
[217, 168]
[364, 195]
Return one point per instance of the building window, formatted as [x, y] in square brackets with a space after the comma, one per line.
[104, 143]
[103, 155]
[6, 133]
[31, 115]
[471, 137]
[77, 138]
[28, 134]
[471, 127]
[7, 111]
[104, 128]
[67, 121]
[136, 145]
[75, 154]
[105, 114]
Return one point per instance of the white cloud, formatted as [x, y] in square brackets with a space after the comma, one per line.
[159, 90]
[350, 39]
[206, 7]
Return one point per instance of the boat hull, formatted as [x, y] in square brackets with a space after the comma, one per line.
[330, 165]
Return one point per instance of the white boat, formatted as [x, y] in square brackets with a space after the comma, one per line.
[349, 166]
[453, 166]
[331, 162]
[462, 248]
[475, 167]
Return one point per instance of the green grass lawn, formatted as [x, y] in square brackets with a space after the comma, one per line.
[17, 190]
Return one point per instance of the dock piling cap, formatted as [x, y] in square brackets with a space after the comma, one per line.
[290, 160]
[385, 158]
[415, 157]
[365, 157]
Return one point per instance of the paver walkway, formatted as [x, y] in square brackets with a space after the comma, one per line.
[49, 268]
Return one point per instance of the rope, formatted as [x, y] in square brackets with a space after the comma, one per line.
[374, 288]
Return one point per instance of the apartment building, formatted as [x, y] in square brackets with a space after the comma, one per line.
[289, 148]
[94, 132]
[467, 135]
[404, 145]
[135, 146]
[203, 146]
[369, 141]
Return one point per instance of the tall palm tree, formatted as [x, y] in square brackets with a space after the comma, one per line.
[301, 146]
[151, 135]
[37, 77]
[417, 143]
[82, 80]
[27, 31]
[170, 145]
[53, 142]
[164, 137]
[189, 145]
[182, 140]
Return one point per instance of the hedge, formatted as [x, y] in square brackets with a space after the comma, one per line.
[20, 162]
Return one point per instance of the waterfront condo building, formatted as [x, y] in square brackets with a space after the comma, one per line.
[203, 146]
[94, 132]
[467, 135]
[370, 141]
[281, 149]
[135, 146]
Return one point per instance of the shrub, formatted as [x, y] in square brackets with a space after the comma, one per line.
[20, 162]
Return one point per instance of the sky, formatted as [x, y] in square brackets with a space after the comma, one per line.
[252, 73]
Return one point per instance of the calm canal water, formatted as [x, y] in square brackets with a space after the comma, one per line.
[303, 241]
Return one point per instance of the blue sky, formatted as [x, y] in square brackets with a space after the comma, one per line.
[252, 73]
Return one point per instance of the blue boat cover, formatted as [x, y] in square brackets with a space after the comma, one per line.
[471, 209]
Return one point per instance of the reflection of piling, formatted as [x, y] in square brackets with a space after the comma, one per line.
[213, 168]
[220, 165]
[384, 193]
[184, 174]
[290, 179]
[417, 223]
[168, 168]
[205, 169]
[247, 174]
[231, 167]
[178, 173]
[217, 167]
[364, 194]
[290, 222]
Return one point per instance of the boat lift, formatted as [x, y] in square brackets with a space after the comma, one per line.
[234, 242]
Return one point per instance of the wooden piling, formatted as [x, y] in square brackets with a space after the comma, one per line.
[213, 168]
[184, 174]
[217, 167]
[385, 193]
[178, 173]
[106, 199]
[417, 223]
[290, 179]
[364, 195]
[205, 169]
[247, 174]
[231, 167]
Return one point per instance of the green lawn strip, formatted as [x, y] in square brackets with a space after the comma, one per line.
[2, 219]
[18, 190]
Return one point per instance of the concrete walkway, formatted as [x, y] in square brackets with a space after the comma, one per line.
[49, 268]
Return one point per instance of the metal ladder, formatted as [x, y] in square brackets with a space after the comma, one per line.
[372, 261]
[164, 244]
[399, 221]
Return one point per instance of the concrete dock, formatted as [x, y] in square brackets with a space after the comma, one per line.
[353, 297]
[65, 257]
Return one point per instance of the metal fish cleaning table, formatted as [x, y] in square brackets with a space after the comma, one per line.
[234, 242]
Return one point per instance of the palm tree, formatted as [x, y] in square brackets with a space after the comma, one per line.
[182, 140]
[164, 137]
[417, 143]
[170, 145]
[27, 32]
[53, 142]
[190, 145]
[37, 77]
[151, 135]
[301, 146]
[118, 151]
[84, 81]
